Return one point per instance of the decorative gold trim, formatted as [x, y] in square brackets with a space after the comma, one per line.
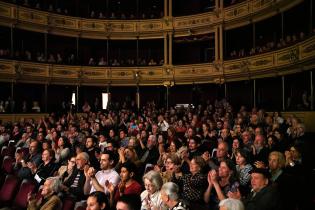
[232, 17]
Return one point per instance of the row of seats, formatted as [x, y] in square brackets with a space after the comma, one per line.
[14, 194]
[13, 191]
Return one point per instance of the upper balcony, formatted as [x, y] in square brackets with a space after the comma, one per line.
[296, 58]
[233, 16]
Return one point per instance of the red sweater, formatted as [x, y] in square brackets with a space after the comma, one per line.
[134, 188]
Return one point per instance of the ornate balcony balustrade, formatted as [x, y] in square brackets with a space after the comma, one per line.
[232, 17]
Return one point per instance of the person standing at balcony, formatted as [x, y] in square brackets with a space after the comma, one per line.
[59, 58]
[102, 62]
[35, 107]
[86, 108]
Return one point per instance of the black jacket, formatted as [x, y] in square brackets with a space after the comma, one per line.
[266, 199]
[76, 192]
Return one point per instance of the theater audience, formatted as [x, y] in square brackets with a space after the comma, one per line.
[167, 156]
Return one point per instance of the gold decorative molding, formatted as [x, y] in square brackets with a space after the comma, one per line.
[7, 67]
[232, 17]
[64, 22]
[6, 10]
[32, 16]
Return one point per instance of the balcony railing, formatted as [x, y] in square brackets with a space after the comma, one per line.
[233, 16]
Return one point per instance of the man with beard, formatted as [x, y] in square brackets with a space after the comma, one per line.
[90, 149]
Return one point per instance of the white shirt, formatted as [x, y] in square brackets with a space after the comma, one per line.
[101, 176]
[155, 200]
[163, 126]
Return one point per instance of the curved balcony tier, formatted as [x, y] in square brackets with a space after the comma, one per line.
[231, 17]
[296, 58]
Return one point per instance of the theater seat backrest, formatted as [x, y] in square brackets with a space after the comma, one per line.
[8, 188]
[26, 187]
[68, 204]
[5, 151]
[7, 165]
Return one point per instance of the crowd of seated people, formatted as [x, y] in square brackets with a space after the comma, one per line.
[55, 7]
[70, 59]
[231, 2]
[9, 106]
[125, 15]
[125, 62]
[41, 5]
[269, 46]
[28, 55]
[185, 158]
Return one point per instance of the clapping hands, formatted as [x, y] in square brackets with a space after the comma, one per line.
[110, 187]
[89, 172]
[212, 177]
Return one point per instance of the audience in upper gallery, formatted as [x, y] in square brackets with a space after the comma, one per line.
[167, 155]
[59, 58]
[102, 13]
[232, 2]
[70, 58]
[268, 46]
